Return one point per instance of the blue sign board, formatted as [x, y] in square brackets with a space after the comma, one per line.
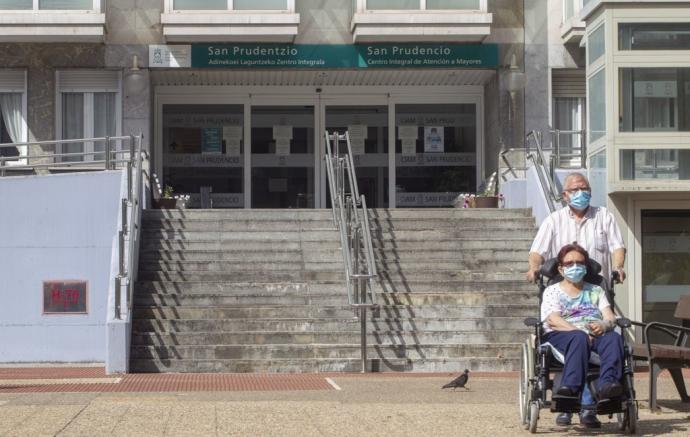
[423, 55]
[211, 140]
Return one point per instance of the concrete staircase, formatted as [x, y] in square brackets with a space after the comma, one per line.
[263, 291]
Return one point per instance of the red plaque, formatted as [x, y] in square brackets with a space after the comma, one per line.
[65, 297]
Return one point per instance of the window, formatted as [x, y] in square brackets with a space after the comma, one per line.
[655, 164]
[654, 36]
[597, 106]
[597, 178]
[374, 5]
[596, 44]
[571, 8]
[654, 99]
[51, 5]
[12, 112]
[235, 5]
[569, 121]
[88, 107]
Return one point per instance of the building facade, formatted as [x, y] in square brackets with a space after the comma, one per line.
[233, 96]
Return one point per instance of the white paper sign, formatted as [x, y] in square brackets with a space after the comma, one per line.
[407, 132]
[282, 146]
[433, 139]
[232, 135]
[409, 146]
[358, 135]
[282, 132]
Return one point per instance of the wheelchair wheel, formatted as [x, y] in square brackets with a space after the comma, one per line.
[526, 375]
[533, 416]
[627, 420]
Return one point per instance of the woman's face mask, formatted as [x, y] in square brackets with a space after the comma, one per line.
[575, 272]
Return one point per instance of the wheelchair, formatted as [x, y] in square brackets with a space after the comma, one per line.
[539, 362]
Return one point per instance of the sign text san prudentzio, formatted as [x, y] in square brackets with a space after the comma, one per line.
[425, 55]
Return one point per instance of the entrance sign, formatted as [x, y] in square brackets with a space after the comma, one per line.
[266, 55]
[65, 297]
[183, 160]
[425, 199]
[433, 139]
[211, 140]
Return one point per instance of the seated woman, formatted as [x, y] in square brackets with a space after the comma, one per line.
[578, 319]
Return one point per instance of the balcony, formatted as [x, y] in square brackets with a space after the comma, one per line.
[572, 27]
[420, 21]
[230, 21]
[52, 21]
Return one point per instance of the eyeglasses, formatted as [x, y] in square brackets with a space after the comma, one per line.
[572, 263]
[575, 190]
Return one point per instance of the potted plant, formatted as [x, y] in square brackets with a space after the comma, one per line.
[486, 198]
[167, 200]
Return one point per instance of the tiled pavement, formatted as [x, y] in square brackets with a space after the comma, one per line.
[286, 405]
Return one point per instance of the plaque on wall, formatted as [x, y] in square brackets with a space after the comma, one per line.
[65, 297]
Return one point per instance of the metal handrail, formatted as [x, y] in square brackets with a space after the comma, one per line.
[351, 218]
[557, 152]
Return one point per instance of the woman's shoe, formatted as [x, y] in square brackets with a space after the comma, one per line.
[588, 418]
[564, 419]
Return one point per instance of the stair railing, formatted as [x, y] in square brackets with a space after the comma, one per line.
[546, 173]
[351, 218]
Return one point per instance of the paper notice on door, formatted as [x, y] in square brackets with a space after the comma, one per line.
[409, 146]
[282, 132]
[282, 146]
[433, 139]
[232, 135]
[232, 147]
[407, 132]
[358, 135]
[357, 146]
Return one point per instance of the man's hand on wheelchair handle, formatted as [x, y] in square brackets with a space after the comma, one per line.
[621, 275]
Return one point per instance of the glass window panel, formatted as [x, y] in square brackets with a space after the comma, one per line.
[596, 44]
[16, 4]
[282, 157]
[435, 153]
[256, 5]
[368, 127]
[453, 4]
[204, 147]
[655, 164]
[392, 4]
[597, 178]
[654, 99]
[568, 9]
[568, 123]
[72, 124]
[654, 36]
[200, 5]
[65, 4]
[665, 264]
[597, 106]
[104, 121]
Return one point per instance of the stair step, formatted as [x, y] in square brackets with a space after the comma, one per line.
[293, 365]
[480, 327]
[322, 338]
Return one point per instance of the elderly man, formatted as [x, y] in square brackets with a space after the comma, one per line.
[593, 228]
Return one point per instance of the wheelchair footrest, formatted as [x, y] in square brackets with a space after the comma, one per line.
[565, 404]
[609, 406]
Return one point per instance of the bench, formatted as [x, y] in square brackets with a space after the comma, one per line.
[672, 357]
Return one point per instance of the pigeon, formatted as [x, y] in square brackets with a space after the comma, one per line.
[458, 382]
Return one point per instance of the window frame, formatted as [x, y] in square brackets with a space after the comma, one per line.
[35, 7]
[23, 150]
[88, 92]
[361, 6]
[169, 7]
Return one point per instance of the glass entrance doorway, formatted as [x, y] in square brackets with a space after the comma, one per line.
[368, 130]
[282, 156]
[665, 263]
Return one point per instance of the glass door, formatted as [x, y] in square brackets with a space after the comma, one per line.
[435, 153]
[282, 156]
[203, 150]
[665, 263]
[368, 129]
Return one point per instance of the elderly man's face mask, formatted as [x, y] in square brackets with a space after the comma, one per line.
[578, 195]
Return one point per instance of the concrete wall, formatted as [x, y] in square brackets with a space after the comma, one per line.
[63, 230]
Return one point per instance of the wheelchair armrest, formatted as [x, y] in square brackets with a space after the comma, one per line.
[532, 321]
[624, 322]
